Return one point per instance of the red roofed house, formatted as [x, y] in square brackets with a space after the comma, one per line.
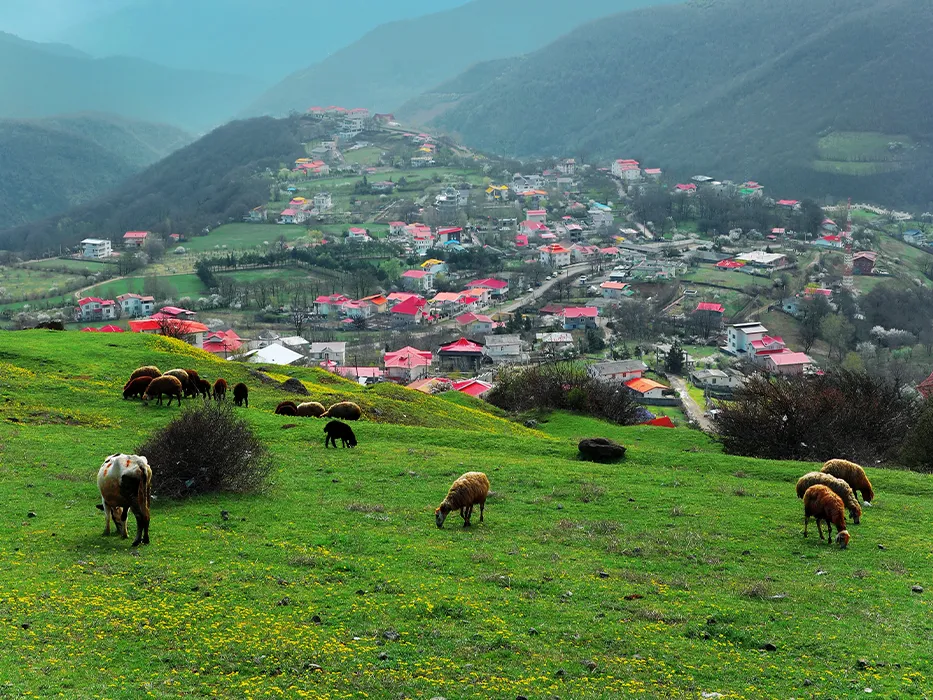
[357, 373]
[689, 188]
[863, 262]
[646, 389]
[475, 324]
[222, 343]
[408, 364]
[173, 312]
[576, 318]
[94, 309]
[615, 290]
[409, 311]
[788, 363]
[462, 355]
[496, 287]
[397, 228]
[190, 332]
[767, 345]
[449, 235]
[135, 239]
[473, 387]
[788, 203]
[730, 264]
[623, 166]
[708, 317]
[329, 305]
[521, 240]
[555, 255]
[532, 228]
[538, 216]
[418, 280]
[926, 387]
[358, 235]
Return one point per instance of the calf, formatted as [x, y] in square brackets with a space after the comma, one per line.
[125, 484]
[335, 429]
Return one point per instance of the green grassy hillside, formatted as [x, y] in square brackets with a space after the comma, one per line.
[669, 572]
[734, 88]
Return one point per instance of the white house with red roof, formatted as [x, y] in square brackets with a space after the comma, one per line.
[222, 343]
[191, 332]
[496, 287]
[532, 228]
[578, 317]
[135, 239]
[418, 280]
[538, 216]
[625, 165]
[397, 228]
[329, 304]
[583, 253]
[713, 311]
[765, 346]
[95, 309]
[472, 387]
[653, 173]
[463, 354]
[615, 290]
[410, 311]
[788, 363]
[408, 364]
[135, 305]
[475, 324]
[740, 336]
[358, 235]
[555, 255]
[293, 216]
[688, 188]
[646, 389]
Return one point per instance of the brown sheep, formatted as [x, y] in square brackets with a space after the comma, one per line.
[147, 371]
[166, 384]
[220, 389]
[136, 387]
[311, 409]
[182, 376]
[241, 394]
[193, 376]
[204, 387]
[347, 410]
[821, 503]
[286, 408]
[853, 475]
[838, 486]
[465, 492]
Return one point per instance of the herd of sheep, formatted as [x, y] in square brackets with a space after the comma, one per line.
[828, 493]
[125, 481]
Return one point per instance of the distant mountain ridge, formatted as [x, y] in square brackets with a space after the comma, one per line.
[398, 61]
[50, 165]
[212, 181]
[810, 96]
[266, 40]
[40, 80]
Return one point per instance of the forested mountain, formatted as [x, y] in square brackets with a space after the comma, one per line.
[267, 39]
[398, 61]
[214, 180]
[50, 165]
[808, 96]
[39, 80]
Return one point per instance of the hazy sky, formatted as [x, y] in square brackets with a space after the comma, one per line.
[43, 20]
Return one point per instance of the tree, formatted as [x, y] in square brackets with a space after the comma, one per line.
[595, 341]
[674, 362]
[838, 333]
[359, 324]
[812, 313]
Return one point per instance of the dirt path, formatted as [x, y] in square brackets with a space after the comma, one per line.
[693, 409]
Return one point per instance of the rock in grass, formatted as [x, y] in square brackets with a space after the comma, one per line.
[769, 647]
[294, 386]
[862, 663]
[31, 514]
[316, 619]
[590, 664]
[600, 450]
[603, 574]
[391, 635]
[917, 589]
[383, 656]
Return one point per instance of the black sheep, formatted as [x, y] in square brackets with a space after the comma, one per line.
[335, 429]
[241, 395]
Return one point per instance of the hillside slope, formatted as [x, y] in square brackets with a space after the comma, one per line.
[50, 165]
[736, 88]
[398, 61]
[243, 36]
[663, 576]
[40, 80]
[212, 181]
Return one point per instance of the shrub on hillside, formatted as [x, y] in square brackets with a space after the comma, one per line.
[917, 453]
[840, 414]
[206, 449]
[563, 385]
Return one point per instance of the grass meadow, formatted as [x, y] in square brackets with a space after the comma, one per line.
[677, 572]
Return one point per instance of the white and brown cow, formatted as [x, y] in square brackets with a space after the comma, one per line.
[125, 483]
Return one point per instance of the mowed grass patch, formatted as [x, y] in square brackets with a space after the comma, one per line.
[19, 281]
[669, 571]
[242, 236]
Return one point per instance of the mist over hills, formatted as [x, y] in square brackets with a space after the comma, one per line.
[398, 61]
[50, 165]
[40, 80]
[810, 96]
[266, 40]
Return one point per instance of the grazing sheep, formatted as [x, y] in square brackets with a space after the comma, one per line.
[335, 429]
[838, 486]
[465, 492]
[136, 387]
[345, 409]
[125, 484]
[182, 376]
[220, 389]
[194, 377]
[286, 408]
[311, 409]
[853, 475]
[241, 395]
[821, 503]
[204, 387]
[166, 384]
[147, 371]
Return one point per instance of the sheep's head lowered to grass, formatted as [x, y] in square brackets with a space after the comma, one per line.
[440, 515]
[842, 539]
